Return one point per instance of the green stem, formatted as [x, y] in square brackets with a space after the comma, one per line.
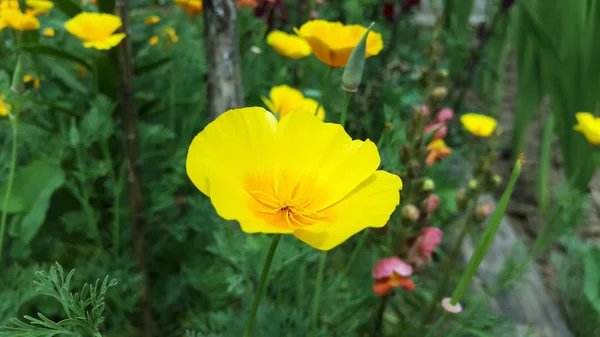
[347, 98]
[324, 90]
[11, 176]
[172, 93]
[261, 284]
[379, 318]
[317, 297]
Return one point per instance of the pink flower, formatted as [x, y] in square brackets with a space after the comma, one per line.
[445, 115]
[392, 273]
[449, 307]
[314, 14]
[483, 211]
[424, 109]
[431, 203]
[419, 254]
[442, 130]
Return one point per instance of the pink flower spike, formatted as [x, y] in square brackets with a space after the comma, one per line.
[388, 266]
[444, 115]
[431, 237]
[453, 309]
[432, 203]
[441, 132]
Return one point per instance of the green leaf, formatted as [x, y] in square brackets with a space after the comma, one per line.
[34, 185]
[15, 203]
[591, 283]
[67, 77]
[151, 66]
[69, 7]
[40, 49]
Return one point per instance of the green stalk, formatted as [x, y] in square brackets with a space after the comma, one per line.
[317, 297]
[347, 98]
[545, 161]
[261, 284]
[324, 89]
[488, 235]
[11, 176]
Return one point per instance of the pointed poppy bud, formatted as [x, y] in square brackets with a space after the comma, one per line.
[356, 63]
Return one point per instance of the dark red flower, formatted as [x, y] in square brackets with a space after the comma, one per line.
[408, 4]
[388, 11]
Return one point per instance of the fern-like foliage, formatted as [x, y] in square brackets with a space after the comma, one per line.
[83, 310]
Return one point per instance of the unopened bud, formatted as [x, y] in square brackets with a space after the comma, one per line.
[445, 115]
[352, 75]
[413, 168]
[462, 201]
[483, 211]
[411, 212]
[431, 203]
[472, 185]
[414, 124]
[439, 93]
[428, 185]
[405, 153]
[388, 126]
[496, 180]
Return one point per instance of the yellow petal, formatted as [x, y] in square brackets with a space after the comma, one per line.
[368, 205]
[584, 117]
[106, 44]
[479, 125]
[290, 46]
[39, 6]
[322, 153]
[94, 27]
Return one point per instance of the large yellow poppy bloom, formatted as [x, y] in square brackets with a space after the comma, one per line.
[96, 30]
[333, 42]
[284, 99]
[18, 20]
[298, 176]
[589, 126]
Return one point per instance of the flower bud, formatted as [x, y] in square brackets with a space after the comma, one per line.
[496, 180]
[405, 153]
[442, 130]
[462, 201]
[472, 185]
[439, 93]
[431, 203]
[411, 212]
[445, 115]
[388, 126]
[483, 211]
[414, 124]
[413, 168]
[352, 75]
[428, 185]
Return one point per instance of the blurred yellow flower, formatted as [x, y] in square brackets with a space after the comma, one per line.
[192, 7]
[15, 19]
[284, 99]
[333, 42]
[152, 20]
[96, 30]
[297, 176]
[35, 81]
[290, 46]
[589, 126]
[34, 7]
[438, 150]
[4, 107]
[170, 31]
[153, 40]
[479, 125]
[48, 32]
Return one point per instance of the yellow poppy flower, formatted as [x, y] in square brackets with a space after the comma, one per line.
[298, 176]
[170, 31]
[479, 125]
[333, 42]
[284, 99]
[192, 7]
[589, 126]
[153, 40]
[290, 46]
[4, 107]
[34, 7]
[35, 81]
[18, 20]
[96, 30]
[152, 20]
[49, 32]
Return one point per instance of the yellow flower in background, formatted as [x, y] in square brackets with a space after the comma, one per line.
[290, 46]
[15, 19]
[479, 125]
[170, 31]
[589, 126]
[96, 30]
[4, 107]
[48, 32]
[152, 20]
[284, 99]
[153, 40]
[35, 81]
[333, 42]
[192, 7]
[34, 7]
[298, 176]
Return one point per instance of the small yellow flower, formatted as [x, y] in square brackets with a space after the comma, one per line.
[96, 30]
[479, 125]
[4, 107]
[18, 20]
[35, 81]
[296, 176]
[290, 46]
[333, 42]
[49, 32]
[152, 20]
[284, 100]
[34, 7]
[589, 126]
[153, 40]
[170, 31]
[192, 7]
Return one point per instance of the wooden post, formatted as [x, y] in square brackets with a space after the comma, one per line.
[221, 46]
[128, 115]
